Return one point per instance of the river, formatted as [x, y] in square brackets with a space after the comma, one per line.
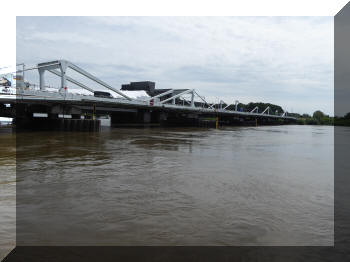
[267, 185]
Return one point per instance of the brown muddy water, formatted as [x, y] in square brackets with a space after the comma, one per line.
[7, 191]
[268, 185]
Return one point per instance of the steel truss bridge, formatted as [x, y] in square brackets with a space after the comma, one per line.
[165, 101]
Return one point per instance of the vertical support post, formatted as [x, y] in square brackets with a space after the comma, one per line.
[24, 67]
[94, 112]
[217, 122]
[63, 68]
[42, 79]
[256, 122]
[192, 99]
[236, 104]
[173, 101]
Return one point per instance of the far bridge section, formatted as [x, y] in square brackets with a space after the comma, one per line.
[41, 108]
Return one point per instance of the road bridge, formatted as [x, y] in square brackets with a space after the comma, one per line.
[180, 107]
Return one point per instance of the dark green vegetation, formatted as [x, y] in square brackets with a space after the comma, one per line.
[319, 118]
[342, 121]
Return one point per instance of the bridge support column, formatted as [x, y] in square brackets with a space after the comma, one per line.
[42, 79]
[192, 99]
[162, 116]
[76, 116]
[181, 119]
[63, 68]
[52, 116]
[146, 117]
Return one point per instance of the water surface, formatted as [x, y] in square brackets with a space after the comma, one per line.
[270, 185]
[7, 191]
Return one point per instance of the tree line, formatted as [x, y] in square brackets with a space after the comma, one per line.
[320, 118]
[317, 118]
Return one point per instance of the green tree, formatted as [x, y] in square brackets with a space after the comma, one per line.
[318, 115]
[347, 116]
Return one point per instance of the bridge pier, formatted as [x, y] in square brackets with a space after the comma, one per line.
[76, 116]
[123, 118]
[180, 119]
[144, 116]
[139, 118]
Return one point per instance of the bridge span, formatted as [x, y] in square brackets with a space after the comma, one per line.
[35, 106]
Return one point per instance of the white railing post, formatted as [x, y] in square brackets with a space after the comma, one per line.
[63, 68]
[42, 79]
[192, 98]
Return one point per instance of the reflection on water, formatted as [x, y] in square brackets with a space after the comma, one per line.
[233, 186]
[7, 191]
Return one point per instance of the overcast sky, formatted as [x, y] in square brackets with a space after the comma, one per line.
[282, 60]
